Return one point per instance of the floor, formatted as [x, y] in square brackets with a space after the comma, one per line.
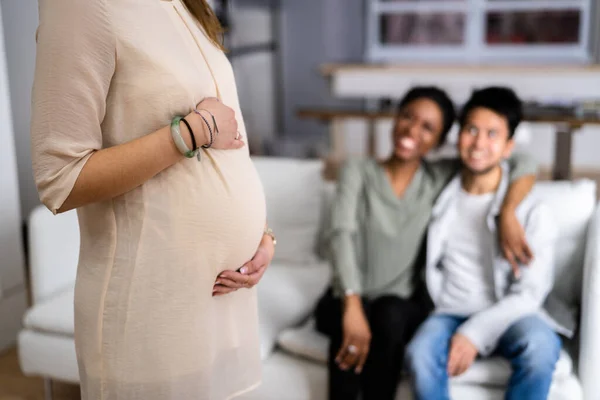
[15, 386]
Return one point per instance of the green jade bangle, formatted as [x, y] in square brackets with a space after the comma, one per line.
[179, 142]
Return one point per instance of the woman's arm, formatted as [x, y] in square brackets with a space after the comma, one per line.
[75, 64]
[113, 171]
[517, 191]
[511, 233]
[521, 165]
[523, 171]
[344, 226]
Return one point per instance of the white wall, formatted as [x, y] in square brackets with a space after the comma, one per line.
[315, 32]
[20, 23]
[12, 290]
[254, 72]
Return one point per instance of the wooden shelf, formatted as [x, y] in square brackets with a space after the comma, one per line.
[331, 69]
[327, 115]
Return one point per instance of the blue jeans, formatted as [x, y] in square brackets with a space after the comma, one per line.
[530, 345]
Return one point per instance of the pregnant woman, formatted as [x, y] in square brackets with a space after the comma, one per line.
[136, 124]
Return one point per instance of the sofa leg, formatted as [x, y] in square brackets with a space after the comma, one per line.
[47, 389]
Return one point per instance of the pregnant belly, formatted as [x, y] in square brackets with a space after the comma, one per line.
[204, 217]
[233, 213]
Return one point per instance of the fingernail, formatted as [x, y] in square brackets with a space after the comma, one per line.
[217, 282]
[243, 270]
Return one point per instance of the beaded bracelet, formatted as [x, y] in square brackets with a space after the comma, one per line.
[179, 142]
[215, 126]
[206, 146]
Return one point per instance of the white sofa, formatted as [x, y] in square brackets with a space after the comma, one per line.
[293, 353]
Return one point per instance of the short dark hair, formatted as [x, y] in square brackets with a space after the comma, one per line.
[501, 100]
[439, 97]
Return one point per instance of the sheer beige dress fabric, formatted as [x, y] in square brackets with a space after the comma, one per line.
[146, 324]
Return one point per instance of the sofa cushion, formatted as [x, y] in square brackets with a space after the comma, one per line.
[48, 355]
[54, 315]
[291, 378]
[53, 251]
[496, 371]
[572, 204]
[293, 190]
[304, 341]
[286, 377]
[287, 295]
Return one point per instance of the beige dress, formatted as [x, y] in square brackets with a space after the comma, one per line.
[146, 324]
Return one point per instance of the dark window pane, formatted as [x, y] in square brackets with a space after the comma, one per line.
[423, 29]
[533, 27]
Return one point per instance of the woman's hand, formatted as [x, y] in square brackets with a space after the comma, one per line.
[513, 241]
[250, 273]
[227, 137]
[357, 336]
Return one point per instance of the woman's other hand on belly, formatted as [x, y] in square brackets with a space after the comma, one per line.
[250, 273]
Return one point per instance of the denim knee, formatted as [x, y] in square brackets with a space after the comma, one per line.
[420, 356]
[539, 352]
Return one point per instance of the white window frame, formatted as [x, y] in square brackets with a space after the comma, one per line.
[475, 50]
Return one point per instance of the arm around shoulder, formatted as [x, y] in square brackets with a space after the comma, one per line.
[521, 165]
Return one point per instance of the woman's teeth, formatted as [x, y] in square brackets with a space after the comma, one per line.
[408, 143]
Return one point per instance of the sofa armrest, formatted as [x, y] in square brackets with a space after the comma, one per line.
[53, 251]
[589, 351]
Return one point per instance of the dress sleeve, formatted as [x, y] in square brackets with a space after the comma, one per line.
[75, 62]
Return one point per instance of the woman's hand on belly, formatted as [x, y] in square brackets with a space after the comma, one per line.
[250, 273]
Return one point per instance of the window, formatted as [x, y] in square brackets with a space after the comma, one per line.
[479, 30]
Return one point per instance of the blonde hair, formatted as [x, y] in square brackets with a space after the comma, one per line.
[207, 18]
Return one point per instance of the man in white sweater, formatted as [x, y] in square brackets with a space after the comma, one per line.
[481, 306]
